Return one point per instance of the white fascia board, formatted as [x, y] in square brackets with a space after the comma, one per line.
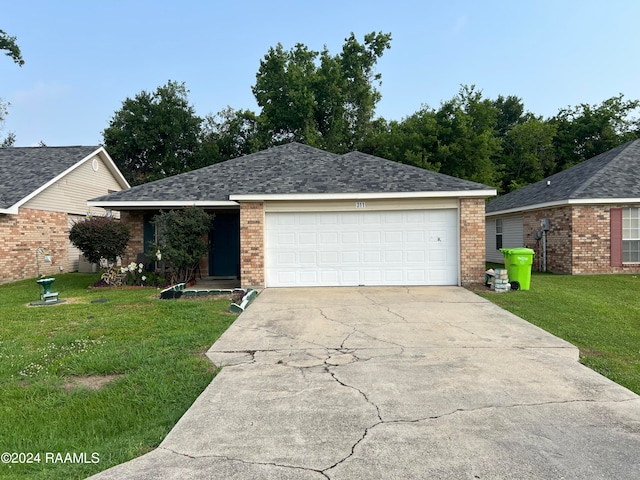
[126, 205]
[601, 201]
[558, 203]
[12, 210]
[113, 168]
[361, 196]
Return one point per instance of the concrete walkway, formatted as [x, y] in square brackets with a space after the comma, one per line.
[396, 383]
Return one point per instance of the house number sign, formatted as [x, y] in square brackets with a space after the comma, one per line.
[361, 205]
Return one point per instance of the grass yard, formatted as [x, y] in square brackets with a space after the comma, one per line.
[105, 380]
[599, 314]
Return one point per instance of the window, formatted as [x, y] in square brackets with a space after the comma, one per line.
[498, 233]
[631, 235]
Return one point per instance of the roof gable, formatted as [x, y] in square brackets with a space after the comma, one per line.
[614, 174]
[293, 168]
[25, 171]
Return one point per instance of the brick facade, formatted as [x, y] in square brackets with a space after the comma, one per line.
[23, 234]
[252, 261]
[578, 241]
[252, 243]
[472, 240]
[135, 246]
[558, 238]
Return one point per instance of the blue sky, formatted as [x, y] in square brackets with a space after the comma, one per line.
[84, 58]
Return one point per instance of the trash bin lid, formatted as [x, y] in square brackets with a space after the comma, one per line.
[517, 251]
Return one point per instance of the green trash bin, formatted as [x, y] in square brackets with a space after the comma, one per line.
[518, 262]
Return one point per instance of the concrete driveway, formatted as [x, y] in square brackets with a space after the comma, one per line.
[396, 383]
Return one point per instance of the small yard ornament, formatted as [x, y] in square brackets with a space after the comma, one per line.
[47, 297]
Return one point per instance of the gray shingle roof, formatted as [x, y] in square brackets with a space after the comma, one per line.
[25, 169]
[294, 168]
[610, 175]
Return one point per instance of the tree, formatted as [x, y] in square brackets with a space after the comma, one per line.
[100, 237]
[529, 155]
[8, 43]
[589, 130]
[182, 240]
[155, 135]
[232, 133]
[467, 144]
[323, 100]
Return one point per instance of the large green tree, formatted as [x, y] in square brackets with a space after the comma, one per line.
[317, 98]
[586, 130]
[528, 153]
[155, 135]
[232, 133]
[467, 142]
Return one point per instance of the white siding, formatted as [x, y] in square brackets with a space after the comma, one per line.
[512, 236]
[71, 193]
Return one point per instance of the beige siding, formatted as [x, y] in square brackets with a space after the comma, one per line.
[71, 193]
[512, 236]
[350, 205]
[74, 253]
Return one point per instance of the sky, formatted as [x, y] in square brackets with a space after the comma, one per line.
[84, 58]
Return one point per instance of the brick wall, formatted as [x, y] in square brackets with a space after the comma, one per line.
[559, 238]
[252, 244]
[591, 241]
[136, 240]
[579, 239]
[23, 234]
[472, 240]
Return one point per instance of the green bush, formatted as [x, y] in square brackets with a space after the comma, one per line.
[181, 241]
[100, 237]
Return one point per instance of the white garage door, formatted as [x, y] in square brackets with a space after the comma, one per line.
[409, 247]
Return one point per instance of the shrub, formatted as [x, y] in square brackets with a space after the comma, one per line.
[100, 237]
[182, 241]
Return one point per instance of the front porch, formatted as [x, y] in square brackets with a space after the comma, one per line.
[215, 283]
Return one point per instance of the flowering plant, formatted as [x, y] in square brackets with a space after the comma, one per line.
[135, 273]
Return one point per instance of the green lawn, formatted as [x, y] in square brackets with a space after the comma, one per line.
[600, 314]
[151, 350]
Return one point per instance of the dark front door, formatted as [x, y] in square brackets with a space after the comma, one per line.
[224, 256]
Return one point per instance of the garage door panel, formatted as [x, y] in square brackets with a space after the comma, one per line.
[361, 248]
[415, 237]
[329, 238]
[287, 258]
[350, 277]
[350, 238]
[372, 277]
[308, 277]
[350, 257]
[307, 238]
[328, 258]
[371, 237]
[308, 258]
[286, 239]
[372, 257]
[391, 257]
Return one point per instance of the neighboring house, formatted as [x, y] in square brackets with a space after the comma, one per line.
[43, 190]
[593, 214]
[294, 215]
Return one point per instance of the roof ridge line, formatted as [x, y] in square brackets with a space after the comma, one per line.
[592, 179]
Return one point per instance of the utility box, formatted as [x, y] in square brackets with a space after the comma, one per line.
[545, 224]
[518, 262]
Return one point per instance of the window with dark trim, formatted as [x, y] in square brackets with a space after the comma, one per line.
[498, 233]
